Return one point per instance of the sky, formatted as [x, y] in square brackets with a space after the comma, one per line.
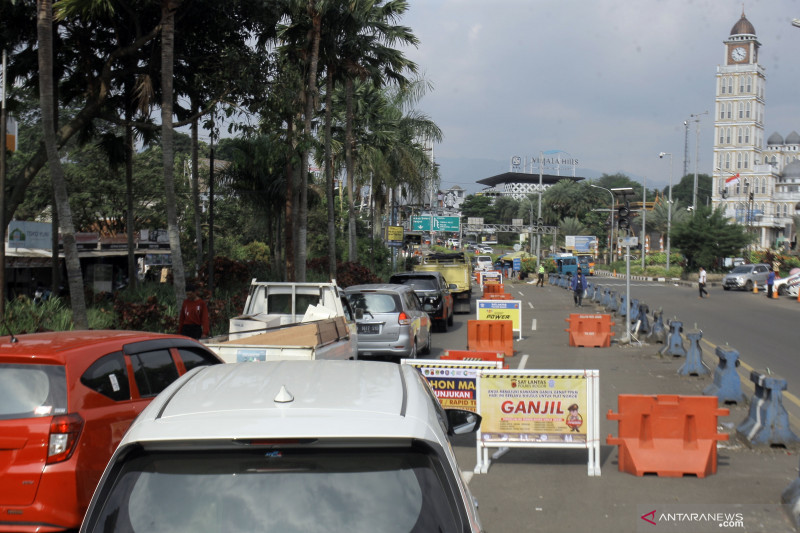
[609, 82]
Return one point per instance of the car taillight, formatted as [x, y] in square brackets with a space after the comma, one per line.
[64, 433]
[403, 319]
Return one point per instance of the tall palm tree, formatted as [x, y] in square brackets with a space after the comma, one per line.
[168, 8]
[44, 24]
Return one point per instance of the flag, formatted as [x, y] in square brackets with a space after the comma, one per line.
[733, 180]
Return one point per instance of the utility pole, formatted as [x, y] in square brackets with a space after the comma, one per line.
[696, 147]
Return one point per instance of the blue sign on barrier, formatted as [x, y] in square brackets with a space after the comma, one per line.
[517, 264]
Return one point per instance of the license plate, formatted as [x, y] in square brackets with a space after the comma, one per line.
[369, 328]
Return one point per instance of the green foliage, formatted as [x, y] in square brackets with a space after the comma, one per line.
[347, 274]
[707, 236]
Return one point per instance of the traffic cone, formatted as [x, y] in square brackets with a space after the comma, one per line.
[755, 288]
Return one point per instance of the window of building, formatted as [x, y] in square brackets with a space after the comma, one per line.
[738, 189]
[747, 110]
[727, 161]
[722, 111]
[721, 135]
[739, 162]
[728, 135]
[741, 84]
[749, 85]
[741, 110]
[763, 185]
[746, 159]
[728, 109]
[730, 88]
[747, 135]
[785, 210]
[739, 135]
[723, 87]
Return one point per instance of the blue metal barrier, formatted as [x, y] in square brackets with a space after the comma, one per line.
[644, 323]
[613, 305]
[605, 301]
[727, 385]
[598, 294]
[634, 311]
[658, 333]
[623, 308]
[674, 344]
[767, 423]
[694, 365]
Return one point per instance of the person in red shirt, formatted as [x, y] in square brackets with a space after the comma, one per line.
[193, 319]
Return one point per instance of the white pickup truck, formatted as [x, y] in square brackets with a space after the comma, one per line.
[290, 321]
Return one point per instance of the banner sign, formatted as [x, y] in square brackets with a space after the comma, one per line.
[502, 310]
[453, 382]
[394, 236]
[22, 234]
[539, 408]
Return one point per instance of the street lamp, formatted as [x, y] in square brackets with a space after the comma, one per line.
[669, 204]
[611, 222]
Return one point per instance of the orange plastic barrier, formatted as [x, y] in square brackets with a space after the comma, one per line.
[493, 288]
[463, 355]
[589, 330]
[498, 296]
[668, 435]
[491, 336]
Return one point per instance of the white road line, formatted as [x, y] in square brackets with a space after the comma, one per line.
[523, 360]
[530, 305]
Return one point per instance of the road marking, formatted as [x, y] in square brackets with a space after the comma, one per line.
[530, 305]
[523, 360]
[750, 386]
[533, 324]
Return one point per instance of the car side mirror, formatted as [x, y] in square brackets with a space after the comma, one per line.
[452, 286]
[461, 422]
[359, 314]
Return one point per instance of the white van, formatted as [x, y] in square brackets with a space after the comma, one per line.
[483, 262]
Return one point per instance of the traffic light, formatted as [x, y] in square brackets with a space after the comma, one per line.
[623, 215]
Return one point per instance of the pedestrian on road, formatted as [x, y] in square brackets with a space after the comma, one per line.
[770, 283]
[540, 283]
[578, 286]
[193, 320]
[701, 282]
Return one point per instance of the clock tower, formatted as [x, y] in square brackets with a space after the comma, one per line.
[739, 127]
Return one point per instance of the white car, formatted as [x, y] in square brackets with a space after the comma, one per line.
[787, 286]
[290, 446]
[483, 262]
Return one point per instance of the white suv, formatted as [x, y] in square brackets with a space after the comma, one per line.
[290, 446]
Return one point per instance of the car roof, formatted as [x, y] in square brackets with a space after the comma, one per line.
[292, 399]
[421, 274]
[57, 346]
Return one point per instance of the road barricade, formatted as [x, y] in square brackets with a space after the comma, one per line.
[694, 365]
[767, 423]
[727, 385]
[658, 333]
[498, 296]
[667, 435]
[493, 288]
[674, 344]
[464, 355]
[613, 304]
[491, 336]
[589, 330]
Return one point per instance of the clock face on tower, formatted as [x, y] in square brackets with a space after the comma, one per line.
[739, 54]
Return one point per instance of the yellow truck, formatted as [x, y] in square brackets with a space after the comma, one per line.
[457, 271]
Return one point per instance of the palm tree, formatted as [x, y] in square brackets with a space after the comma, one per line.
[44, 24]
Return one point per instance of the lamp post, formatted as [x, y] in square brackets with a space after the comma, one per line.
[669, 204]
[611, 222]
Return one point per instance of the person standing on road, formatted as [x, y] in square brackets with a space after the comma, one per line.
[701, 282]
[193, 320]
[540, 283]
[770, 282]
[578, 286]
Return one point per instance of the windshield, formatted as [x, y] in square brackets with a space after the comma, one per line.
[375, 302]
[743, 269]
[287, 491]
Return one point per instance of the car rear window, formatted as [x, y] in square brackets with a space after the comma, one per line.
[28, 391]
[376, 302]
[292, 491]
[420, 284]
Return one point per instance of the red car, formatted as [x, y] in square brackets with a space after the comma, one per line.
[66, 400]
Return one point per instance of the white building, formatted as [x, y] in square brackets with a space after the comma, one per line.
[757, 186]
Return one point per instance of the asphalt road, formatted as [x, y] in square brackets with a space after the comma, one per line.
[549, 489]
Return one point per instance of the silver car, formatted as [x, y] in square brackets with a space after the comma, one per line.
[746, 276]
[290, 446]
[390, 320]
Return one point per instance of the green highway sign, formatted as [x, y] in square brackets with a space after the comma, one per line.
[439, 223]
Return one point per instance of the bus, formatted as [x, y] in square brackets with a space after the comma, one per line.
[586, 262]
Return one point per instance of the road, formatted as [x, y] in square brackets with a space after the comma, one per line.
[549, 489]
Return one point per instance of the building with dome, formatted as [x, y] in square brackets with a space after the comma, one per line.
[758, 185]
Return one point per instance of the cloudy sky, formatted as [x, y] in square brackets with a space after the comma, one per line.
[611, 82]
